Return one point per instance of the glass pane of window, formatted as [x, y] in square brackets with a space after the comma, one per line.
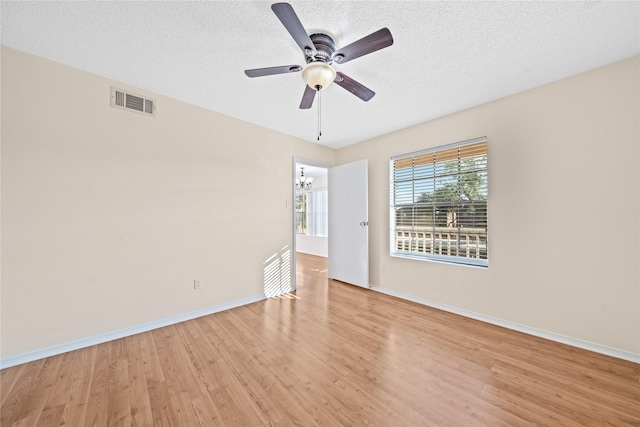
[301, 213]
[403, 192]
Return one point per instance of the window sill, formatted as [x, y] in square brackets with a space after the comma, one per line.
[443, 259]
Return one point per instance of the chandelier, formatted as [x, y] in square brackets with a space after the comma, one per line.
[303, 183]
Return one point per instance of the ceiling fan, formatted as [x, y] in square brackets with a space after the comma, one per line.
[320, 52]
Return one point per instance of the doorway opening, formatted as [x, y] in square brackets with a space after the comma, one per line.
[310, 210]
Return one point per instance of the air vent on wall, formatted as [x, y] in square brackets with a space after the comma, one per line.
[132, 102]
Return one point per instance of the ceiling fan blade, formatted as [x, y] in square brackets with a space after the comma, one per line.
[307, 98]
[289, 19]
[259, 72]
[358, 89]
[374, 41]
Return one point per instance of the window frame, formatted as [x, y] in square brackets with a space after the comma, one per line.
[313, 211]
[307, 216]
[407, 250]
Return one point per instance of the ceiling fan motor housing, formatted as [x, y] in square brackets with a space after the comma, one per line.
[325, 48]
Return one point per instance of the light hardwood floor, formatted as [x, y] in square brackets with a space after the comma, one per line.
[330, 354]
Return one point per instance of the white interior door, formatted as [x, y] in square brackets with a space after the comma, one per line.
[348, 223]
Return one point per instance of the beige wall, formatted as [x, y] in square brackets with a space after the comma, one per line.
[108, 215]
[563, 169]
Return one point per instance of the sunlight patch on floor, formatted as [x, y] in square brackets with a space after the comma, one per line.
[289, 295]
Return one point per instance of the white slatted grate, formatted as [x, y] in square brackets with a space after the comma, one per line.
[132, 102]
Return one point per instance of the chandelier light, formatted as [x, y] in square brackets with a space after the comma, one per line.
[303, 183]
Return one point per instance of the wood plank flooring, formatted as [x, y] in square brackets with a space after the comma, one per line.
[330, 354]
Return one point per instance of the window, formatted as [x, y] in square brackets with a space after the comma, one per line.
[439, 204]
[301, 213]
[312, 213]
[317, 213]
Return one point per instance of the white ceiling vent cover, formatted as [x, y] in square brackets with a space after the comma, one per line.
[132, 102]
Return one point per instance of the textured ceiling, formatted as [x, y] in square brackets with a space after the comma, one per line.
[446, 56]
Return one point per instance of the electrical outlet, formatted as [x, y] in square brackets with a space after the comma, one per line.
[197, 284]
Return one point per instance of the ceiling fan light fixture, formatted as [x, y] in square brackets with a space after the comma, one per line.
[318, 74]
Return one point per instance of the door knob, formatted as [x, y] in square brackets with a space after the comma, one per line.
[364, 223]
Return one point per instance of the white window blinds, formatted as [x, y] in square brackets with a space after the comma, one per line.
[439, 203]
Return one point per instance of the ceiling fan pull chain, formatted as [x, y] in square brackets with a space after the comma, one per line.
[319, 112]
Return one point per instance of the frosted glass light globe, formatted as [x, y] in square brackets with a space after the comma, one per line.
[318, 74]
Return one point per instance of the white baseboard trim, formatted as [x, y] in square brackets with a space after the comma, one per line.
[586, 345]
[121, 333]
